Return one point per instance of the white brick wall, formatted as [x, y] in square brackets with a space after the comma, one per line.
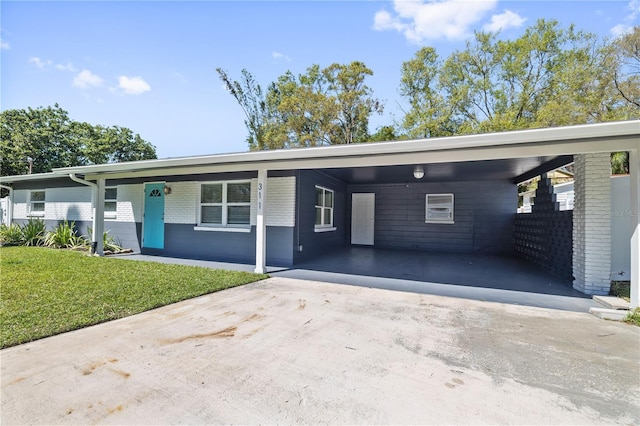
[74, 204]
[181, 206]
[592, 223]
[281, 201]
[129, 207]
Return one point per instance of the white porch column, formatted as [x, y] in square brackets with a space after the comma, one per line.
[261, 226]
[98, 216]
[634, 172]
[592, 223]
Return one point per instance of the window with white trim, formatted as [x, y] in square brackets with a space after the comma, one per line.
[225, 204]
[439, 208]
[36, 203]
[324, 208]
[110, 201]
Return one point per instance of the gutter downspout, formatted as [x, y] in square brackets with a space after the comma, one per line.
[96, 242]
[9, 204]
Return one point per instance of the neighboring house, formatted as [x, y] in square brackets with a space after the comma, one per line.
[453, 194]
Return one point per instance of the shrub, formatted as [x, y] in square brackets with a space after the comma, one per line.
[64, 236]
[33, 232]
[633, 317]
[108, 242]
[11, 235]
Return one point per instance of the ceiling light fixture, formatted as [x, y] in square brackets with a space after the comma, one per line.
[418, 172]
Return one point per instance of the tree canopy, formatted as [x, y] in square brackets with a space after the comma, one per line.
[549, 76]
[51, 139]
[326, 106]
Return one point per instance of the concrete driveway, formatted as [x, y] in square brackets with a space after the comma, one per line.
[291, 351]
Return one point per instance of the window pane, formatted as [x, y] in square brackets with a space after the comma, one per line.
[211, 214]
[327, 216]
[37, 207]
[111, 193]
[318, 216]
[239, 192]
[319, 193]
[328, 199]
[211, 193]
[37, 195]
[238, 215]
[110, 206]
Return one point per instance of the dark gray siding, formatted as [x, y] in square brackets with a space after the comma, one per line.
[483, 215]
[181, 240]
[316, 243]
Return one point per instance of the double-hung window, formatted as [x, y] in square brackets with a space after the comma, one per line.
[324, 208]
[225, 204]
[36, 203]
[439, 208]
[110, 202]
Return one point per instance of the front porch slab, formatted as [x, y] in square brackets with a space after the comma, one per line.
[612, 302]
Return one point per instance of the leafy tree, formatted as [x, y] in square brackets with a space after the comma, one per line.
[320, 107]
[386, 133]
[430, 115]
[251, 99]
[627, 78]
[549, 76]
[51, 139]
[353, 100]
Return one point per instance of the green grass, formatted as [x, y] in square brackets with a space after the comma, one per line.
[46, 291]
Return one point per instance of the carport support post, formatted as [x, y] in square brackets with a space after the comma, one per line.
[261, 227]
[634, 172]
[98, 217]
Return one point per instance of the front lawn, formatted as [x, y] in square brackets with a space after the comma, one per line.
[46, 291]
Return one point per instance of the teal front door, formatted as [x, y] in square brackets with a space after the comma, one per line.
[153, 226]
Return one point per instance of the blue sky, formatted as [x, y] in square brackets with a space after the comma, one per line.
[150, 66]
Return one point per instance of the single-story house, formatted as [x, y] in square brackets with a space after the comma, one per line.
[280, 207]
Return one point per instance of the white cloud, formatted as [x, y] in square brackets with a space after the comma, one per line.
[67, 67]
[133, 85]
[278, 55]
[42, 64]
[504, 21]
[420, 20]
[620, 30]
[4, 45]
[86, 79]
[180, 77]
[625, 28]
[39, 62]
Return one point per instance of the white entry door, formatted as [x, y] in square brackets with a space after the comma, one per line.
[362, 218]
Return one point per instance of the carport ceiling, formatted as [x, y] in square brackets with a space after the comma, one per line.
[512, 169]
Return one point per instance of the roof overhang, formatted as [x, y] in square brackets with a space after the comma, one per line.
[557, 141]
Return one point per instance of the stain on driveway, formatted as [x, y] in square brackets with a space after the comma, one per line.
[292, 351]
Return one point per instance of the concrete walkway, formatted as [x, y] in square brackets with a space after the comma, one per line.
[290, 351]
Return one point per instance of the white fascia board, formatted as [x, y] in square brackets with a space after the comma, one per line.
[424, 157]
[535, 140]
[31, 177]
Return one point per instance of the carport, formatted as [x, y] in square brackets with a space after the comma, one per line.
[503, 159]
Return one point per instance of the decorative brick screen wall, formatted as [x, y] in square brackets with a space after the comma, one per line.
[545, 236]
